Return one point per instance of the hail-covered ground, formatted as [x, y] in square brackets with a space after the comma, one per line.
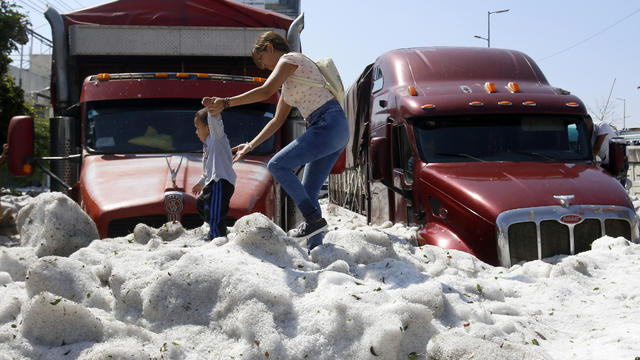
[367, 293]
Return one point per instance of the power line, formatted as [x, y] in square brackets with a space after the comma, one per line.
[32, 7]
[42, 38]
[592, 36]
[66, 4]
[59, 4]
[79, 3]
[41, 4]
[63, 5]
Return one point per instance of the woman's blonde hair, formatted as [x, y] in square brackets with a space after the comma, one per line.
[270, 37]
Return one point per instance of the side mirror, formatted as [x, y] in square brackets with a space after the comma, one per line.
[617, 156]
[20, 140]
[379, 158]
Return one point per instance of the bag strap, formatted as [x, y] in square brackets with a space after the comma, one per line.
[310, 82]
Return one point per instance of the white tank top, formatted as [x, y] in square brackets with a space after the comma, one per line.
[305, 97]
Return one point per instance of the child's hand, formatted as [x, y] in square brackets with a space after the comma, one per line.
[206, 101]
[214, 105]
[197, 188]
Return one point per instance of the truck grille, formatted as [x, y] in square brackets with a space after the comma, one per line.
[536, 233]
[522, 242]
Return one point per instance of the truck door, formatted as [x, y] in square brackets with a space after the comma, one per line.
[402, 176]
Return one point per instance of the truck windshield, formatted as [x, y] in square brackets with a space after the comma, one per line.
[166, 126]
[549, 138]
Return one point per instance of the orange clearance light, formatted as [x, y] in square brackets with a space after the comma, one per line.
[412, 91]
[529, 103]
[27, 169]
[182, 75]
[514, 87]
[104, 76]
[428, 106]
[491, 87]
[504, 103]
[162, 75]
[476, 103]
[259, 80]
[572, 104]
[202, 76]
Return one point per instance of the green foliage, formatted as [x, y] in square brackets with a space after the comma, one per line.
[41, 135]
[13, 32]
[11, 103]
[13, 27]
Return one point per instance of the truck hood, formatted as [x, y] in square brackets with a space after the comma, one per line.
[488, 189]
[136, 184]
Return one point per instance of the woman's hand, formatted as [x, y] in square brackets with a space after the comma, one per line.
[240, 151]
[214, 104]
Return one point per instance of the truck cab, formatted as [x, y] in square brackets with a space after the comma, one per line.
[128, 78]
[141, 157]
[475, 147]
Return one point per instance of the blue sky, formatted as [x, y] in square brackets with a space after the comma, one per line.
[581, 46]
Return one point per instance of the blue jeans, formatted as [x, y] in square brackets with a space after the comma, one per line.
[318, 148]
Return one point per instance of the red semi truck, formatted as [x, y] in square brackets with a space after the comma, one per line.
[475, 147]
[127, 79]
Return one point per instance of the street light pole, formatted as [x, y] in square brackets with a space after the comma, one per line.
[488, 29]
[624, 112]
[488, 38]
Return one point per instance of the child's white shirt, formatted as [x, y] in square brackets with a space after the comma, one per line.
[217, 160]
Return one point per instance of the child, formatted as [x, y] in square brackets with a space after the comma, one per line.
[218, 178]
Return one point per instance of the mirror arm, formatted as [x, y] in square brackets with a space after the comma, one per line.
[48, 172]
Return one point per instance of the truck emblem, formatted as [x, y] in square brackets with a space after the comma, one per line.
[571, 219]
[565, 200]
[173, 205]
[174, 172]
[465, 89]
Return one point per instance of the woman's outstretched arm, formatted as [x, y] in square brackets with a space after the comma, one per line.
[279, 75]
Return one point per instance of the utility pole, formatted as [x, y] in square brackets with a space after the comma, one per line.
[624, 112]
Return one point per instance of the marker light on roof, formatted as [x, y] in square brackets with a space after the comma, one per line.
[513, 87]
[104, 76]
[412, 91]
[529, 103]
[572, 104]
[202, 76]
[182, 75]
[490, 87]
[162, 75]
[504, 103]
[476, 103]
[428, 106]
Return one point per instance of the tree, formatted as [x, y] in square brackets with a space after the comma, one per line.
[13, 32]
[603, 110]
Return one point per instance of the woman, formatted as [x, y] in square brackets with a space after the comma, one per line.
[318, 148]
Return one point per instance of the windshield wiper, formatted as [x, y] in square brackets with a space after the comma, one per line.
[536, 154]
[462, 155]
